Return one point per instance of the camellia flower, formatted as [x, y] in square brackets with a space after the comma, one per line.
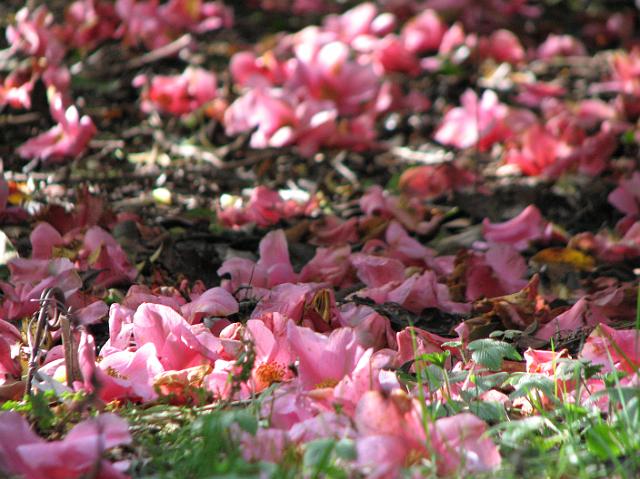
[539, 151]
[24, 454]
[527, 226]
[103, 253]
[496, 273]
[89, 22]
[17, 87]
[501, 46]
[281, 119]
[479, 121]
[560, 45]
[423, 32]
[33, 35]
[178, 94]
[626, 197]
[273, 267]
[9, 361]
[340, 353]
[68, 139]
[583, 314]
[196, 15]
[273, 354]
[391, 435]
[614, 350]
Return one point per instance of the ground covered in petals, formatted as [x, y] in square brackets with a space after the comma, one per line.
[313, 238]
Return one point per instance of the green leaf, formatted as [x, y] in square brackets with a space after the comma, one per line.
[515, 432]
[247, 422]
[318, 453]
[346, 449]
[601, 441]
[528, 383]
[437, 359]
[484, 383]
[490, 411]
[490, 353]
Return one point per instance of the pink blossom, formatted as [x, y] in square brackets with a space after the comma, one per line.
[432, 181]
[141, 23]
[581, 315]
[248, 70]
[33, 34]
[614, 350]
[68, 139]
[273, 267]
[24, 453]
[176, 344]
[44, 238]
[325, 424]
[89, 22]
[331, 230]
[353, 23]
[610, 248]
[102, 252]
[281, 120]
[265, 207]
[535, 93]
[138, 294]
[393, 56]
[9, 360]
[501, 46]
[197, 17]
[273, 354]
[92, 313]
[453, 38]
[329, 265]
[498, 272]
[422, 291]
[120, 329]
[29, 277]
[591, 112]
[460, 443]
[154, 25]
[399, 245]
[266, 445]
[409, 212]
[213, 302]
[309, 304]
[539, 151]
[593, 155]
[560, 45]
[179, 94]
[129, 374]
[391, 431]
[625, 73]
[413, 342]
[339, 351]
[372, 329]
[528, 226]
[327, 73]
[376, 271]
[626, 197]
[423, 32]
[17, 86]
[478, 122]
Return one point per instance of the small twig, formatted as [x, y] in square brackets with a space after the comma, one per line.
[21, 119]
[168, 50]
[208, 156]
[53, 315]
[425, 157]
[338, 163]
